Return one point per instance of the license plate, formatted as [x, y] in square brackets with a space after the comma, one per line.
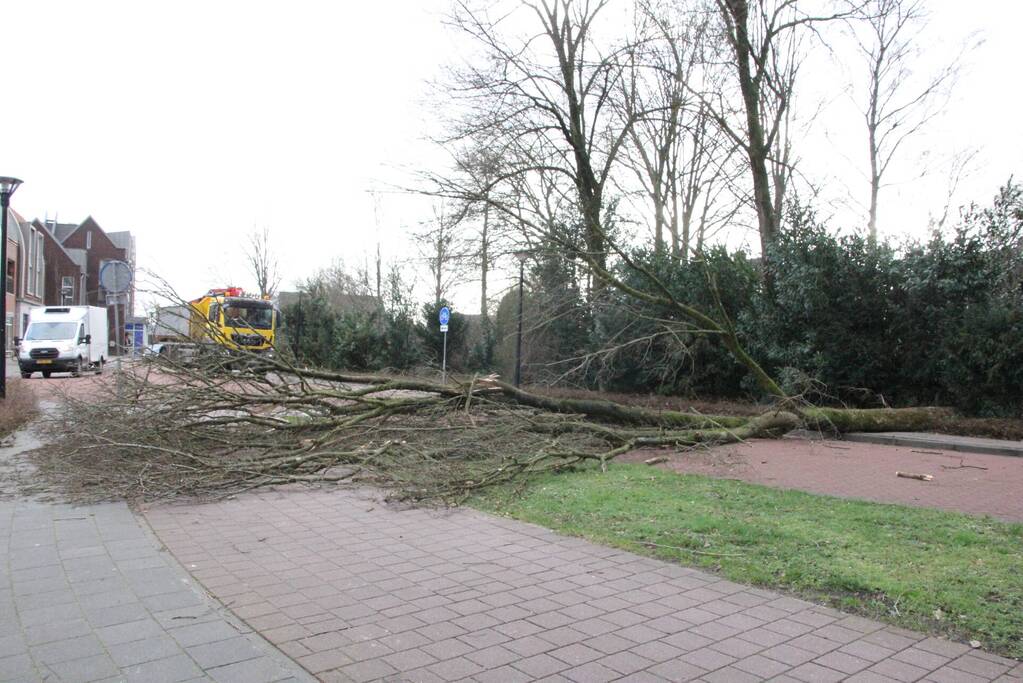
[44, 362]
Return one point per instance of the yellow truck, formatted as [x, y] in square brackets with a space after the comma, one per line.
[232, 319]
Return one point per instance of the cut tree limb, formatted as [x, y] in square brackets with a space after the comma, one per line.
[913, 475]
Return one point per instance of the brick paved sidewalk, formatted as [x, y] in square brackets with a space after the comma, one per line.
[88, 594]
[356, 590]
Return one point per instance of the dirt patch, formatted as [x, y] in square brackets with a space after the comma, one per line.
[965, 482]
[18, 409]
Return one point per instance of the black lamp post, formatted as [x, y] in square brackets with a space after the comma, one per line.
[7, 188]
[521, 256]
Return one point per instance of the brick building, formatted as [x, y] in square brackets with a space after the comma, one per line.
[31, 264]
[11, 327]
[64, 274]
[90, 247]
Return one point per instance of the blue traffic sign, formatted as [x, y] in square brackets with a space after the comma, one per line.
[445, 315]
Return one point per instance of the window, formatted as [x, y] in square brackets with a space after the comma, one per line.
[10, 276]
[241, 315]
[40, 264]
[88, 239]
[30, 283]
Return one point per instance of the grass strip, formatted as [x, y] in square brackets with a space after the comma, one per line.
[928, 570]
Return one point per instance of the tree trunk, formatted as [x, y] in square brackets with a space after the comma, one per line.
[484, 261]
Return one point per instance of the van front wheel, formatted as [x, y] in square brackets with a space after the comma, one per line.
[77, 372]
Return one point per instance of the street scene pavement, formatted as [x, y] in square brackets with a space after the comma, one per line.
[336, 584]
[87, 593]
[356, 590]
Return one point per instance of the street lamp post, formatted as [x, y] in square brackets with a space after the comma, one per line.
[521, 256]
[7, 188]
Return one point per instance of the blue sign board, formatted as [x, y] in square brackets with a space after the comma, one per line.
[445, 315]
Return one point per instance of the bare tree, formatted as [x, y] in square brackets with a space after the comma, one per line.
[262, 262]
[444, 248]
[895, 110]
[680, 157]
[545, 99]
[482, 165]
[765, 40]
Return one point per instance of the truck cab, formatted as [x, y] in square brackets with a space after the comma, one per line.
[235, 321]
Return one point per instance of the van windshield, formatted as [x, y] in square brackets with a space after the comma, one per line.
[50, 331]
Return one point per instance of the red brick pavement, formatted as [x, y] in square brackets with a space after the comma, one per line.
[356, 590]
[867, 471]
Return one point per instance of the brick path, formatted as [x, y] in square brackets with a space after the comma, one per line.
[866, 471]
[356, 590]
[87, 594]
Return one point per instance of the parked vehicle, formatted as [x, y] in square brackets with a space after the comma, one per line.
[231, 319]
[63, 339]
[171, 324]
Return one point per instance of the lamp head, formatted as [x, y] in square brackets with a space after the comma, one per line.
[522, 255]
[8, 185]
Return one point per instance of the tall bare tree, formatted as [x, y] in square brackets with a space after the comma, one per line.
[262, 261]
[544, 96]
[896, 108]
[680, 157]
[765, 41]
[443, 248]
[482, 165]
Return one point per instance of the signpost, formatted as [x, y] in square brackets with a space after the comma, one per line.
[445, 318]
[115, 278]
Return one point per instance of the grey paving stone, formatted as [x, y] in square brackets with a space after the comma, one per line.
[17, 667]
[130, 631]
[169, 670]
[626, 662]
[815, 673]
[13, 644]
[230, 651]
[255, 670]
[208, 632]
[540, 665]
[100, 617]
[676, 670]
[146, 650]
[87, 669]
[58, 630]
[730, 674]
[64, 650]
[761, 666]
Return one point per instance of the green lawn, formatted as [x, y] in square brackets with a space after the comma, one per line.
[922, 569]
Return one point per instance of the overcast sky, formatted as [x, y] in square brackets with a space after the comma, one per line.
[191, 122]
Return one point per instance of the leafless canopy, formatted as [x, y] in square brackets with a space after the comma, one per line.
[262, 261]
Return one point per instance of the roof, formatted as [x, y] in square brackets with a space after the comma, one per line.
[62, 230]
[79, 256]
[80, 261]
[121, 239]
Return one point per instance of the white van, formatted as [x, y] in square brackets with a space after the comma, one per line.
[63, 339]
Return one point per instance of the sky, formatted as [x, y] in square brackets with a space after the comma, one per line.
[194, 123]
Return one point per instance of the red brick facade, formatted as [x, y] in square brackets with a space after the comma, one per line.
[99, 249]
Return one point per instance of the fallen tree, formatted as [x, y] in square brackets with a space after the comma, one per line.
[217, 427]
